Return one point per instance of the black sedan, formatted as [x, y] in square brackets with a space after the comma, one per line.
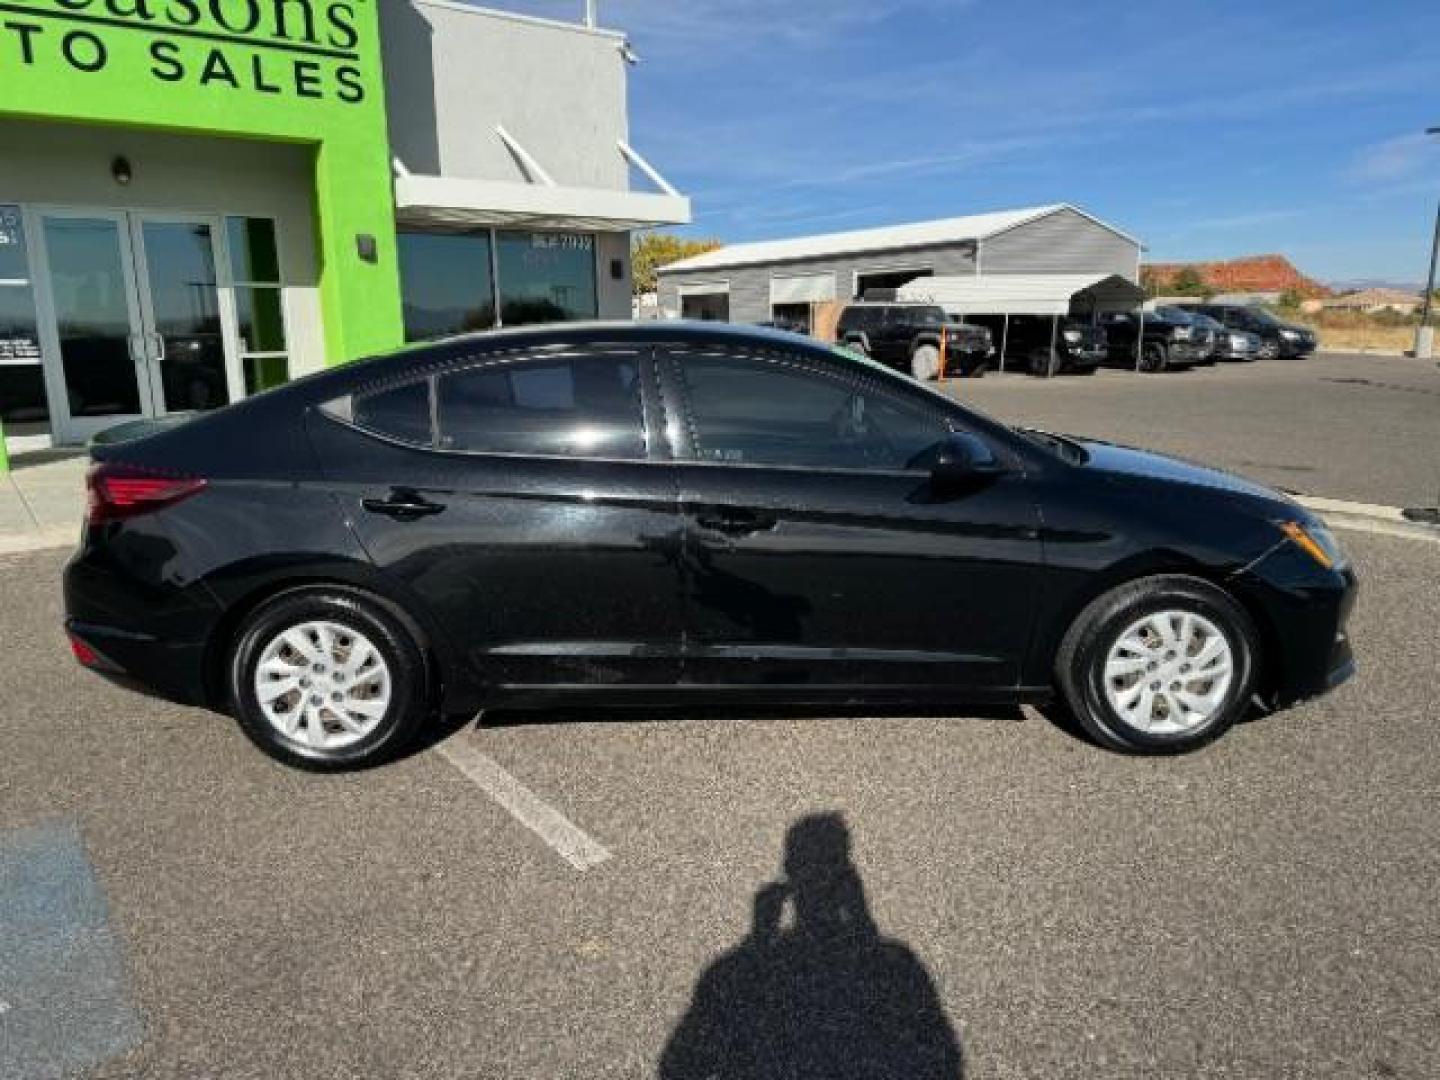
[673, 513]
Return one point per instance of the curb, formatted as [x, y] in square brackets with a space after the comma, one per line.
[1368, 517]
[56, 536]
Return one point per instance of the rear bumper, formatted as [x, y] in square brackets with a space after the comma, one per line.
[145, 633]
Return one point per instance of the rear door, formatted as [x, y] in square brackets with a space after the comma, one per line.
[816, 553]
[517, 498]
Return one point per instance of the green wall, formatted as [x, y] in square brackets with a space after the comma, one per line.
[287, 70]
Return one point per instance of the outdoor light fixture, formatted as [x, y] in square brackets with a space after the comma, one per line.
[120, 170]
[617, 269]
[365, 247]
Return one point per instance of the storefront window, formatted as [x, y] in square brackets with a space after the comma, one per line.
[23, 407]
[445, 284]
[259, 301]
[546, 276]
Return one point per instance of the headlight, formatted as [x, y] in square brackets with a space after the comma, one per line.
[1237, 342]
[1316, 541]
[1290, 335]
[1072, 336]
[1182, 333]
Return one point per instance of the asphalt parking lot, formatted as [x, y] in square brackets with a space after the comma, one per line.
[1036, 907]
[771, 894]
[1345, 426]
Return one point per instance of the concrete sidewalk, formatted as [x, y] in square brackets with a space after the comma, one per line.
[42, 500]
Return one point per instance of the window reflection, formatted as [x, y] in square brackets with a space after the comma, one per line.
[445, 284]
[587, 406]
[546, 276]
[448, 287]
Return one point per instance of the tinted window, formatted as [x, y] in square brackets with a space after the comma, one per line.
[402, 412]
[585, 404]
[445, 283]
[546, 277]
[760, 410]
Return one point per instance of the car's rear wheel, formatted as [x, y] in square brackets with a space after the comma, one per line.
[1159, 666]
[925, 363]
[326, 680]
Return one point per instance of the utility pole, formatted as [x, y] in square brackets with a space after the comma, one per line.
[592, 15]
[1425, 335]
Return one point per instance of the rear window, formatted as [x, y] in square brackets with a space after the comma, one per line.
[401, 412]
[583, 405]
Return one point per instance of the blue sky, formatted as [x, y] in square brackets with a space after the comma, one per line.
[1208, 129]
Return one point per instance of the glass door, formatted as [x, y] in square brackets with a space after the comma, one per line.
[188, 349]
[90, 322]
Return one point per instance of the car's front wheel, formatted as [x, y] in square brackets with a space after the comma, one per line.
[326, 680]
[925, 363]
[1154, 357]
[1159, 665]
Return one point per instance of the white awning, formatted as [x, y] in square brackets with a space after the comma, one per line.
[1026, 294]
[802, 288]
[453, 203]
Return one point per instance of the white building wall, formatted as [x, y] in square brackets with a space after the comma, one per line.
[454, 71]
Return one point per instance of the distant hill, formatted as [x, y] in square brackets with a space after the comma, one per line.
[1247, 274]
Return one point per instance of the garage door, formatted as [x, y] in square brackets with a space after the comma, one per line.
[802, 288]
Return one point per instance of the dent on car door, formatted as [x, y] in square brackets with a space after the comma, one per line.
[530, 519]
[817, 552]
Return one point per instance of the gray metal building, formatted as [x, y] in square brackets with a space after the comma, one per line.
[783, 278]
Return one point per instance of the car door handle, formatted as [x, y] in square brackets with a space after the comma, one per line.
[403, 505]
[734, 522]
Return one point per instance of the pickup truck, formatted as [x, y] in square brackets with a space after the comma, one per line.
[1169, 340]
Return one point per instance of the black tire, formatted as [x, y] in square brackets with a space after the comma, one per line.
[1080, 663]
[408, 685]
[858, 345]
[1154, 357]
[979, 370]
[1040, 363]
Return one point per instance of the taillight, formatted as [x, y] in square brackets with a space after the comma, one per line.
[116, 492]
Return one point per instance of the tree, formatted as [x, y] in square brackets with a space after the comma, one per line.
[1291, 299]
[1188, 282]
[649, 251]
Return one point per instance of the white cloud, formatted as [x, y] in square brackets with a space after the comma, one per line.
[1399, 158]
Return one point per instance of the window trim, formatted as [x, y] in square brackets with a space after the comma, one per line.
[655, 448]
[675, 392]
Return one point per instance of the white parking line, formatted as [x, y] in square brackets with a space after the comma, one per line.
[570, 843]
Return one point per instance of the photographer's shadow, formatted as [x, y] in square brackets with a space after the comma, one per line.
[826, 996]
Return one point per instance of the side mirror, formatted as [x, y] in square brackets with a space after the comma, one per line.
[964, 459]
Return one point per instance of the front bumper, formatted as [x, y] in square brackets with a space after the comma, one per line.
[1305, 612]
[1188, 352]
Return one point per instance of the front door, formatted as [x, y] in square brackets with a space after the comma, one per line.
[817, 553]
[132, 317]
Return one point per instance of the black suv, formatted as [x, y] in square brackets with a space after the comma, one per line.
[1079, 346]
[910, 337]
[1169, 340]
[1277, 337]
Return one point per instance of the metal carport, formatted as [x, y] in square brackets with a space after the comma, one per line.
[1055, 295]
